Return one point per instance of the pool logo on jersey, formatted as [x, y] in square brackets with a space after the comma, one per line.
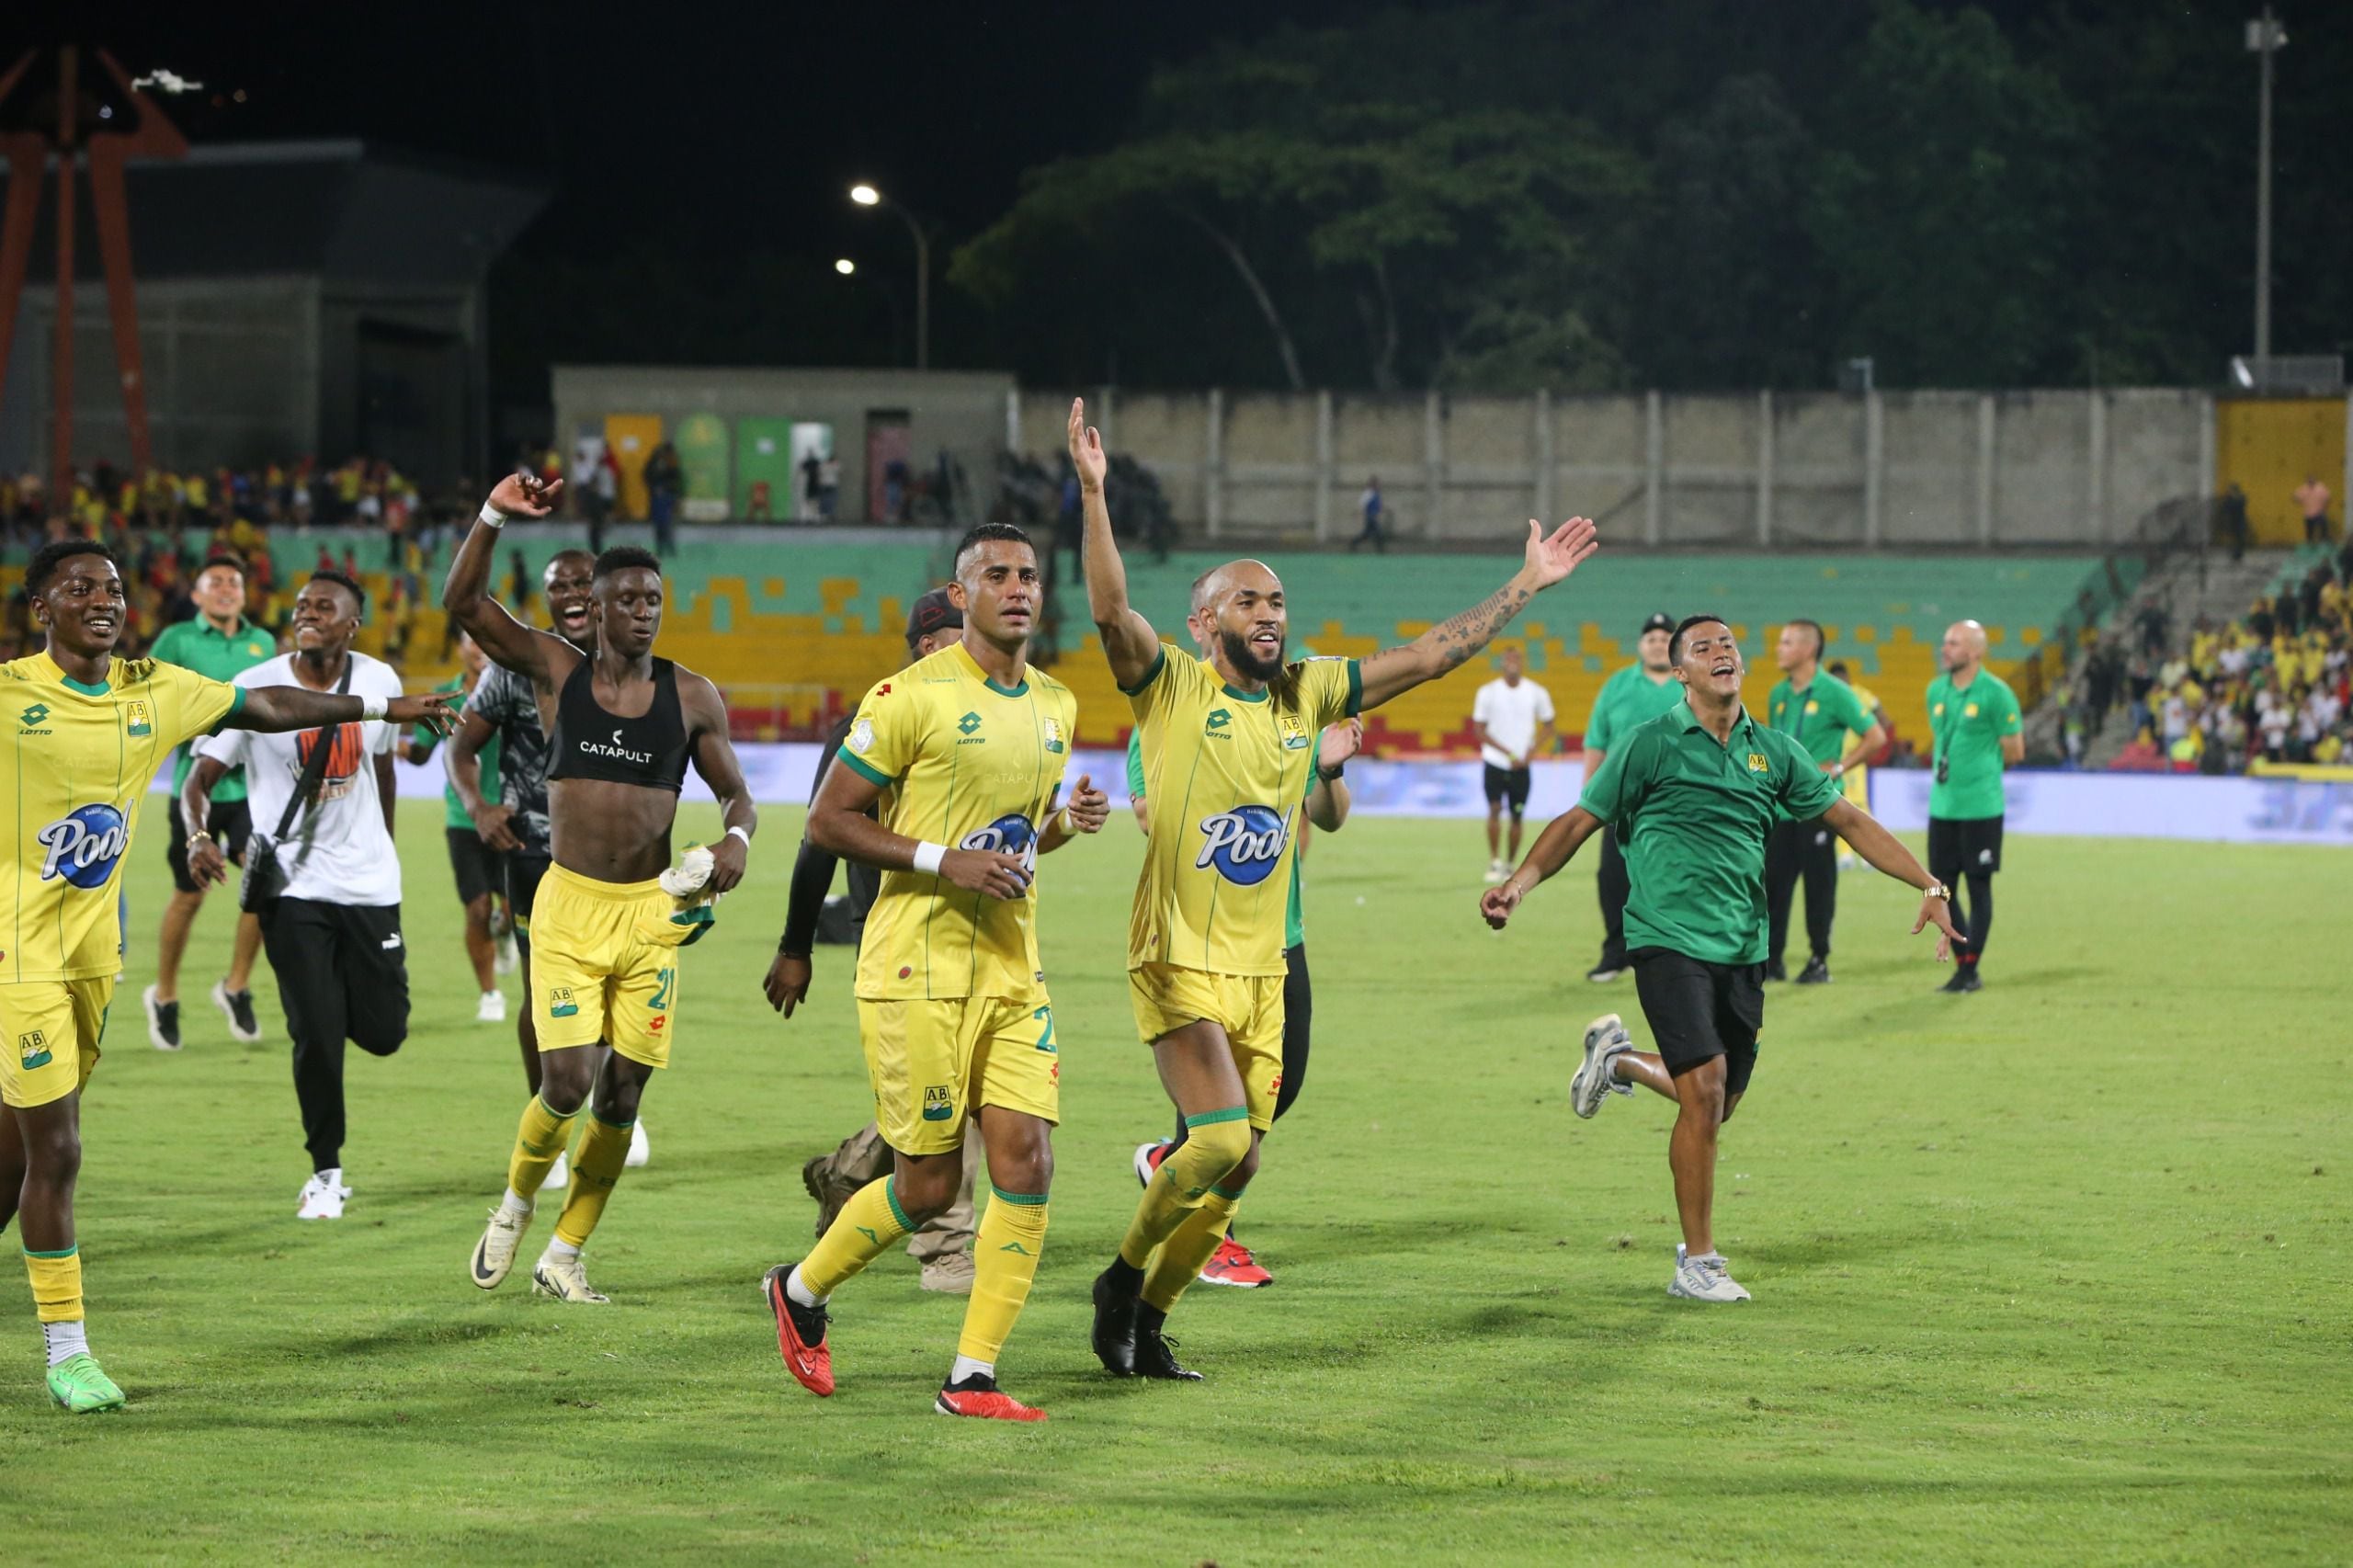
[83, 847]
[1009, 835]
[1243, 845]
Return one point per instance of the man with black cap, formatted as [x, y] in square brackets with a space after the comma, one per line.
[942, 1246]
[1635, 696]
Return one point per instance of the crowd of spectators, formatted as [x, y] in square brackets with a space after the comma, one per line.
[2275, 685]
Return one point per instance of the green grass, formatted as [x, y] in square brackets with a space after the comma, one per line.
[2052, 1273]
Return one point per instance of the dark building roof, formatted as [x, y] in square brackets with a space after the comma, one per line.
[343, 210]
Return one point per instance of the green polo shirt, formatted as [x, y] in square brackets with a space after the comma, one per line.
[1295, 914]
[1968, 724]
[453, 814]
[1819, 718]
[1692, 818]
[200, 646]
[1628, 700]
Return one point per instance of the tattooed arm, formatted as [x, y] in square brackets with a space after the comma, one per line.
[1395, 671]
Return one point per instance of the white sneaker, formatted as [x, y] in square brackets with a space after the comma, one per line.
[559, 1175]
[1605, 1041]
[506, 959]
[163, 1027]
[567, 1280]
[491, 1009]
[1497, 872]
[494, 1253]
[237, 1006]
[1704, 1279]
[322, 1196]
[640, 1151]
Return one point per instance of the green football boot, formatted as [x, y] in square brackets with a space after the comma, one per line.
[77, 1385]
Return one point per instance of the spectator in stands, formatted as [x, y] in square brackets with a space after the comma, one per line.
[812, 470]
[1370, 504]
[596, 483]
[2312, 500]
[2231, 520]
[829, 487]
[665, 481]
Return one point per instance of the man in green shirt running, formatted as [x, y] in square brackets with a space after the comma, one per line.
[1973, 720]
[1633, 696]
[480, 871]
[1820, 712]
[1694, 794]
[1327, 809]
[219, 643]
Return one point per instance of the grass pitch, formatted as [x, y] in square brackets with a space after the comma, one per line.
[2049, 1273]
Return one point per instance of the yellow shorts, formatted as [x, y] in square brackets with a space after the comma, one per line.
[931, 1062]
[605, 964]
[54, 1026]
[1248, 1008]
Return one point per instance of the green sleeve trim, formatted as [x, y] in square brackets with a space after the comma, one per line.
[1028, 1199]
[1159, 663]
[236, 705]
[1212, 1117]
[1232, 1195]
[63, 1252]
[865, 770]
[891, 1194]
[1356, 688]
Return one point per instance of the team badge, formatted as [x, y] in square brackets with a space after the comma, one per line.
[1814, 707]
[1970, 711]
[861, 736]
[560, 1002]
[1054, 736]
[1756, 763]
[135, 712]
[1294, 732]
[937, 1106]
[34, 1048]
[1938, 711]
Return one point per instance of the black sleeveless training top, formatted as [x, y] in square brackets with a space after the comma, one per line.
[589, 742]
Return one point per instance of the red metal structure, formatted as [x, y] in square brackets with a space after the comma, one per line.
[107, 144]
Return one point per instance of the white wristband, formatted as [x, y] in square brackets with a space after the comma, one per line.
[1063, 820]
[928, 856]
[370, 708]
[739, 833]
[493, 515]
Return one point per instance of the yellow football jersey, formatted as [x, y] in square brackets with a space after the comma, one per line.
[972, 765]
[81, 763]
[1225, 773]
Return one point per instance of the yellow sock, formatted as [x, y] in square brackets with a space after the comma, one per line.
[57, 1284]
[604, 1149]
[540, 1137]
[1215, 1142]
[861, 1233]
[1179, 1261]
[1004, 1261]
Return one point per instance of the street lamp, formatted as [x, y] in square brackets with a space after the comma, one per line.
[2265, 37]
[867, 196]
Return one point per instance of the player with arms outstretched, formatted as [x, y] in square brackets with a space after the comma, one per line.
[1228, 744]
[605, 929]
[966, 744]
[91, 730]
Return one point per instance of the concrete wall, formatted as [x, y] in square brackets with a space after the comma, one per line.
[1910, 468]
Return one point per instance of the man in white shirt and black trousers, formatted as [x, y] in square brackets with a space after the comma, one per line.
[1513, 719]
[333, 937]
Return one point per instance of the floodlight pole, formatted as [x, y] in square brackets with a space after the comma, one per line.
[867, 196]
[2265, 38]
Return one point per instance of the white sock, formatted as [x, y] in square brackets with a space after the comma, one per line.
[515, 1204]
[966, 1366]
[800, 1294]
[65, 1340]
[331, 1176]
[561, 1251]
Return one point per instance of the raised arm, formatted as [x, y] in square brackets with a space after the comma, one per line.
[542, 655]
[1451, 643]
[715, 756]
[1129, 641]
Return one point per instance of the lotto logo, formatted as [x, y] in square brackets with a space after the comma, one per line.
[968, 724]
[33, 715]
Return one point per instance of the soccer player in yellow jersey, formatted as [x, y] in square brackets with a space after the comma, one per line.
[1228, 741]
[91, 730]
[960, 756]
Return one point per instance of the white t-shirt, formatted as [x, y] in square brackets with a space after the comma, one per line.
[337, 850]
[1511, 715]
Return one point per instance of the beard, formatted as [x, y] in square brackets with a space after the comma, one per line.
[1244, 657]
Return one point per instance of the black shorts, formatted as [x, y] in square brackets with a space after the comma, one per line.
[232, 824]
[479, 870]
[1964, 845]
[523, 874]
[1698, 1011]
[1508, 784]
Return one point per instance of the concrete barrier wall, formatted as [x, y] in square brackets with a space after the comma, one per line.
[1932, 468]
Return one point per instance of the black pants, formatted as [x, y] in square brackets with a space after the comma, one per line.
[1298, 1015]
[1616, 887]
[342, 975]
[1798, 849]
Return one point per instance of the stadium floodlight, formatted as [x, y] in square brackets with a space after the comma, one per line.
[2264, 37]
[844, 266]
[867, 196]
